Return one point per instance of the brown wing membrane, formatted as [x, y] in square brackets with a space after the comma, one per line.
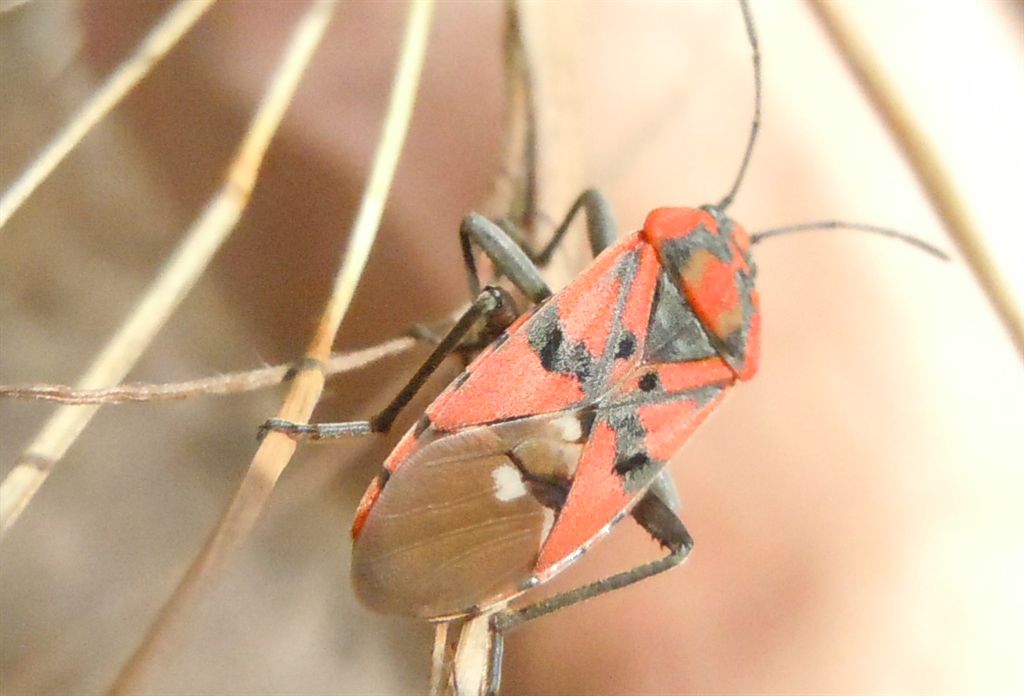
[461, 523]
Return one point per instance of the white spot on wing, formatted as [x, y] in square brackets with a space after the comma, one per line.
[508, 484]
[549, 522]
[569, 427]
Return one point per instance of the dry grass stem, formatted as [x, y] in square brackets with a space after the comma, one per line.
[925, 161]
[276, 450]
[371, 207]
[230, 383]
[153, 47]
[474, 657]
[11, 5]
[440, 662]
[173, 283]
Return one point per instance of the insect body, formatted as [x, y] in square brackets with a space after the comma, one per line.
[562, 425]
[555, 431]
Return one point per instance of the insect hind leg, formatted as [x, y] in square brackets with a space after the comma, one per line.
[655, 516]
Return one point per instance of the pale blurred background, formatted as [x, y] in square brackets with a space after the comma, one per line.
[857, 507]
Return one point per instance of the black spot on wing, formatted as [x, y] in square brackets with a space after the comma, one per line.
[626, 347]
[555, 352]
[649, 382]
[632, 462]
[627, 465]
[549, 346]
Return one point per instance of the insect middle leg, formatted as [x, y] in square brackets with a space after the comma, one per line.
[493, 308]
[656, 516]
[601, 228]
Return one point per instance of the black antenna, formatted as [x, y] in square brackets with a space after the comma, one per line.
[755, 126]
[836, 225]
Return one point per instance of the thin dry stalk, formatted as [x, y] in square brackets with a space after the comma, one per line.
[11, 5]
[230, 383]
[924, 159]
[163, 37]
[440, 661]
[175, 280]
[474, 657]
[276, 449]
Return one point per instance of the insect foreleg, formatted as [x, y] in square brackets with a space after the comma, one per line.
[493, 308]
[660, 522]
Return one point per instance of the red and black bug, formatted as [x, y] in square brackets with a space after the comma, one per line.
[563, 424]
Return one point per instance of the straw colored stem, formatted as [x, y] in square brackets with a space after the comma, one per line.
[276, 449]
[474, 657]
[155, 46]
[924, 159]
[230, 383]
[173, 283]
[440, 661]
[11, 5]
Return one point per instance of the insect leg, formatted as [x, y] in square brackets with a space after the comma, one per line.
[601, 228]
[665, 489]
[493, 306]
[660, 522]
[516, 260]
[508, 256]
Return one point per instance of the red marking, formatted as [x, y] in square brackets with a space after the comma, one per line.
[484, 397]
[585, 310]
[587, 313]
[677, 377]
[595, 498]
[671, 423]
[403, 450]
[366, 504]
[752, 360]
[405, 447]
[714, 295]
[673, 223]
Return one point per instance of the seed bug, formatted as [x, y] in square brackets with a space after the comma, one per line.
[563, 424]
